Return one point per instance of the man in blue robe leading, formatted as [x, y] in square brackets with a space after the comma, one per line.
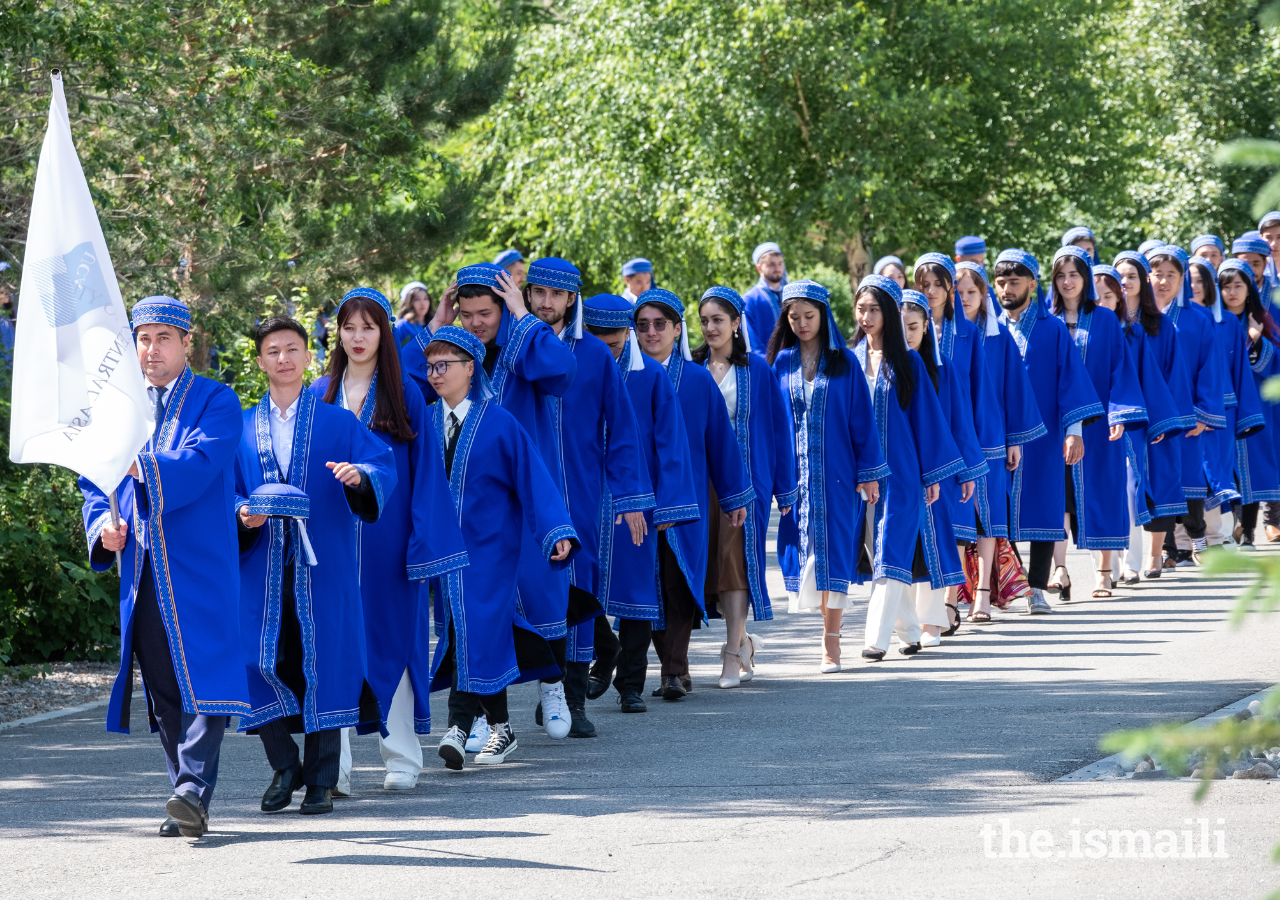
[304, 472]
[1067, 401]
[179, 574]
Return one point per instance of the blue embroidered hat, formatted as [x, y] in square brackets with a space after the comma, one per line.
[1181, 256]
[1086, 260]
[915, 298]
[1207, 271]
[635, 266]
[559, 274]
[762, 250]
[887, 261]
[1271, 218]
[161, 310]
[473, 347]
[1080, 232]
[284, 501]
[1022, 257]
[805, 289]
[612, 311]
[1251, 242]
[1109, 271]
[671, 301]
[888, 285]
[1206, 240]
[1147, 246]
[937, 259]
[980, 271]
[371, 294]
[507, 257]
[970, 245]
[734, 299]
[480, 274]
[1133, 256]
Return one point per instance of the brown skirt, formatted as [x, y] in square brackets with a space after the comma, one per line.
[726, 552]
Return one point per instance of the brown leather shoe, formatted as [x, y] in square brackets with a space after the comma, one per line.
[672, 689]
[1273, 534]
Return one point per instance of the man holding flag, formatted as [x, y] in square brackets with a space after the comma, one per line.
[157, 451]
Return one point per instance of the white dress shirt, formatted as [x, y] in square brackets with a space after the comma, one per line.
[460, 412]
[281, 424]
[729, 390]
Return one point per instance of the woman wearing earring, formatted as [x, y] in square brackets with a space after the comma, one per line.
[838, 459]
[735, 556]
[364, 376]
[914, 434]
[1016, 412]
[937, 532]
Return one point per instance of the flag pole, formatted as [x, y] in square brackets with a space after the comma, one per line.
[115, 523]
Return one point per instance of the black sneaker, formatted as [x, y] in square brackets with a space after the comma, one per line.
[582, 726]
[453, 748]
[502, 743]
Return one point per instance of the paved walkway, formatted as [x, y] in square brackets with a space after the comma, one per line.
[874, 782]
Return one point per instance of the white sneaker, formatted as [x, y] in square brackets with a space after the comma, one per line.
[556, 719]
[399, 781]
[1036, 604]
[501, 744]
[452, 748]
[930, 640]
[479, 735]
[343, 788]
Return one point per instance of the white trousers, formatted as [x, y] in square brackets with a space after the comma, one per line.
[401, 750]
[890, 610]
[1218, 526]
[1131, 559]
[930, 605]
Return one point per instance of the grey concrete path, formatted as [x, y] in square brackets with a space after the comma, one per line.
[877, 781]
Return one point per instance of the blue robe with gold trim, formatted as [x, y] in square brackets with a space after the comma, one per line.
[184, 518]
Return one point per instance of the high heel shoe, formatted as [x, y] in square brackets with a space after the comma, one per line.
[725, 653]
[1064, 590]
[829, 668]
[751, 644]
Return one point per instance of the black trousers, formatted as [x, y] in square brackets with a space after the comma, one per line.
[1271, 514]
[1193, 521]
[464, 706]
[633, 654]
[321, 749]
[192, 742]
[559, 649]
[1041, 563]
[1249, 518]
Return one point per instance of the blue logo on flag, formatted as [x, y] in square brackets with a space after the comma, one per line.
[71, 285]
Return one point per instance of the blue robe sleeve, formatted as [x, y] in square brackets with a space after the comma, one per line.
[545, 514]
[1125, 404]
[724, 462]
[624, 463]
[413, 363]
[1206, 372]
[97, 515]
[1022, 421]
[985, 412]
[539, 357]
[378, 463]
[1162, 413]
[938, 454]
[674, 491]
[176, 477]
[1180, 381]
[868, 455]
[960, 417]
[1076, 397]
[435, 543]
[785, 487]
[1249, 415]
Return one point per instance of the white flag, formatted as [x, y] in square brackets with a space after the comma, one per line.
[79, 399]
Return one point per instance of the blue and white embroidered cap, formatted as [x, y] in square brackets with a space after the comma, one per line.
[479, 274]
[1022, 257]
[762, 250]
[612, 311]
[1251, 242]
[883, 261]
[1208, 240]
[636, 266]
[561, 275]
[161, 310]
[284, 501]
[1079, 232]
[816, 293]
[970, 245]
[1134, 256]
[670, 300]
[734, 299]
[371, 294]
[915, 298]
[1083, 255]
[481, 389]
[1184, 298]
[1147, 246]
[1271, 218]
[1207, 271]
[884, 283]
[937, 259]
[507, 257]
[980, 271]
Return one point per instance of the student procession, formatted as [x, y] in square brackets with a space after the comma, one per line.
[512, 482]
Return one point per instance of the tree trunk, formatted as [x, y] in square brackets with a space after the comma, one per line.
[857, 256]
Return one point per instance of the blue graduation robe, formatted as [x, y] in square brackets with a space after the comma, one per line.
[605, 469]
[919, 442]
[1099, 480]
[415, 538]
[405, 332]
[767, 445]
[940, 532]
[1164, 460]
[1243, 411]
[1017, 413]
[1164, 418]
[714, 458]
[184, 520]
[1256, 469]
[837, 448]
[1206, 371]
[1038, 493]
[763, 305]
[327, 595]
[503, 491]
[629, 582]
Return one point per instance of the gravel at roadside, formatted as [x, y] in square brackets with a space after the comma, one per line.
[69, 684]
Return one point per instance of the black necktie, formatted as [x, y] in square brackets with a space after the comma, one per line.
[159, 413]
[451, 443]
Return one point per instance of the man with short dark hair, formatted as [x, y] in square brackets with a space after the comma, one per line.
[1067, 401]
[305, 472]
[764, 300]
[179, 573]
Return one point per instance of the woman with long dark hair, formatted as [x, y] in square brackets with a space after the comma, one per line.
[838, 458]
[1016, 412]
[364, 376]
[735, 556]
[415, 312]
[937, 530]
[914, 434]
[1097, 506]
[1257, 472]
[1158, 472]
